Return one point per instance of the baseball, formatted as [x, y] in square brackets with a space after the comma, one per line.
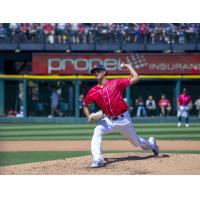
[122, 66]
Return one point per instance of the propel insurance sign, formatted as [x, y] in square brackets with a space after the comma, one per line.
[61, 63]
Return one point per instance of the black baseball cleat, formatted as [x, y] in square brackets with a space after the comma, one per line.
[156, 149]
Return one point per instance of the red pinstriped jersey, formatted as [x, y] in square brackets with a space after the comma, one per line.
[184, 100]
[109, 97]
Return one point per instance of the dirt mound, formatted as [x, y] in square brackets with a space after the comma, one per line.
[117, 164]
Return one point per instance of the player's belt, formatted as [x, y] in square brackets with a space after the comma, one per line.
[117, 117]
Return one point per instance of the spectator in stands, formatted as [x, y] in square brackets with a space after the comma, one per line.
[49, 30]
[181, 35]
[40, 34]
[197, 104]
[89, 30]
[65, 37]
[24, 32]
[166, 33]
[137, 34]
[158, 34]
[14, 28]
[152, 34]
[141, 111]
[190, 32]
[74, 33]
[81, 34]
[35, 32]
[60, 31]
[165, 106]
[2, 32]
[150, 106]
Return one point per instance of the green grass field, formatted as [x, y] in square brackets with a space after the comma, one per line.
[14, 158]
[16, 132]
[84, 132]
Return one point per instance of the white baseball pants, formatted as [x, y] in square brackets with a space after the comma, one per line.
[183, 111]
[123, 125]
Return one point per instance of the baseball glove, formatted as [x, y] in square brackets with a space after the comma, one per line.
[95, 117]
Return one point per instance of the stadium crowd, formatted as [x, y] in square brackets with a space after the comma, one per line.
[100, 32]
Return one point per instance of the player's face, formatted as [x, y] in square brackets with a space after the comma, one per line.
[99, 73]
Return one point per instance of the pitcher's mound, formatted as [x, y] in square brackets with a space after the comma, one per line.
[120, 163]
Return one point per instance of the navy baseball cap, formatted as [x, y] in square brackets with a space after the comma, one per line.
[98, 66]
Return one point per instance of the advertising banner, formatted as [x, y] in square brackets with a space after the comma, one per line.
[144, 63]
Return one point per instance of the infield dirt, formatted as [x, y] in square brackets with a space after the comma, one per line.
[117, 164]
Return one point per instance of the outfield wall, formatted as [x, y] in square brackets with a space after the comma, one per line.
[83, 120]
[37, 92]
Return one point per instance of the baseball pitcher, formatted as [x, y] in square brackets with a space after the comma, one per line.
[184, 104]
[114, 115]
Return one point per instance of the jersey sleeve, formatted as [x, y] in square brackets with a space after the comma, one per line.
[87, 100]
[123, 83]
